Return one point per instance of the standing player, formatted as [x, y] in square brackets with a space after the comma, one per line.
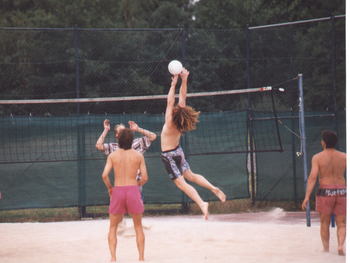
[178, 119]
[330, 165]
[125, 196]
[139, 144]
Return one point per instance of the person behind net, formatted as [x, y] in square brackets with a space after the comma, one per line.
[330, 165]
[178, 119]
[139, 144]
[125, 196]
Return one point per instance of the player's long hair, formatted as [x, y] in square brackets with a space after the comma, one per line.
[185, 119]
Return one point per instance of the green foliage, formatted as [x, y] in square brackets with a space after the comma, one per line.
[226, 13]
[104, 63]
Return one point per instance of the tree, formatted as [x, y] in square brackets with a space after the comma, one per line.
[238, 13]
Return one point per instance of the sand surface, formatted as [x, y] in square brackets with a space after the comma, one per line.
[274, 236]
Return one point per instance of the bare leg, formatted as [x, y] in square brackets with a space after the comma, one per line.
[325, 222]
[341, 232]
[200, 180]
[193, 194]
[112, 235]
[140, 236]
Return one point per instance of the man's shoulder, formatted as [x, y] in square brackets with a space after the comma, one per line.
[342, 153]
[136, 154]
[116, 152]
[318, 155]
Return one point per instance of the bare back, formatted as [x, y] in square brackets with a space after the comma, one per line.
[331, 166]
[170, 137]
[125, 165]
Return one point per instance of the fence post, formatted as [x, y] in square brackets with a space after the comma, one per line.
[334, 93]
[303, 140]
[184, 140]
[291, 74]
[250, 117]
[77, 65]
[81, 169]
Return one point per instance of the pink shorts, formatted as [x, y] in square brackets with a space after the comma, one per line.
[126, 199]
[331, 199]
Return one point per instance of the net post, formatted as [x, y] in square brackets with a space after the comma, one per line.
[303, 140]
[81, 170]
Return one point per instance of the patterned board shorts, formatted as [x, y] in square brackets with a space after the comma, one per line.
[175, 162]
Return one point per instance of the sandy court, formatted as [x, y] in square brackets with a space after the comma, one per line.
[274, 236]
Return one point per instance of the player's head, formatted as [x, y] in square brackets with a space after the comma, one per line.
[125, 138]
[185, 119]
[118, 128]
[330, 139]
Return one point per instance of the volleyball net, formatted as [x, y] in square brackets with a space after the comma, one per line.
[51, 159]
[72, 137]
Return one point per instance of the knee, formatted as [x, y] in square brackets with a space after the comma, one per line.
[340, 221]
[112, 230]
[341, 224]
[189, 175]
[180, 183]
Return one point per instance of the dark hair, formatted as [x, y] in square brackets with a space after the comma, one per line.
[125, 138]
[330, 138]
[185, 119]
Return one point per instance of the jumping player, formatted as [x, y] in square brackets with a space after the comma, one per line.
[178, 119]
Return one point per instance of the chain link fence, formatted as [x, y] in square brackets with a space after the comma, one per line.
[47, 152]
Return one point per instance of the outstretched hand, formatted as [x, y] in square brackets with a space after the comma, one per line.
[184, 74]
[133, 126]
[174, 80]
[106, 125]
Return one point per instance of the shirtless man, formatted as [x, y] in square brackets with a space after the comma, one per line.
[178, 119]
[125, 196]
[330, 165]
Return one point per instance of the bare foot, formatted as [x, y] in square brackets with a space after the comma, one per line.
[204, 207]
[219, 194]
[341, 251]
[113, 259]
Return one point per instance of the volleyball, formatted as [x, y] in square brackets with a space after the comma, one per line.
[175, 67]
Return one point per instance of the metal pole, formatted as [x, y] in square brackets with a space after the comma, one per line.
[77, 65]
[303, 140]
[334, 77]
[292, 98]
[184, 139]
[251, 143]
[334, 93]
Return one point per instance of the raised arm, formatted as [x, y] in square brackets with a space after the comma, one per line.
[151, 135]
[100, 141]
[171, 102]
[183, 89]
